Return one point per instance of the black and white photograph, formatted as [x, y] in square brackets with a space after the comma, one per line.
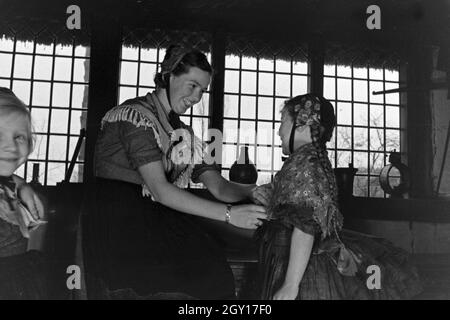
[230, 151]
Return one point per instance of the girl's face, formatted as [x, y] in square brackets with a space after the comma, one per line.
[302, 134]
[187, 89]
[285, 131]
[14, 142]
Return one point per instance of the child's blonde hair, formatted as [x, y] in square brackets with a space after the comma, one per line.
[9, 103]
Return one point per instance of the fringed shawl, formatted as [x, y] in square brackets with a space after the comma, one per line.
[149, 113]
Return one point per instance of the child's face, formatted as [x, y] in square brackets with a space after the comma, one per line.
[14, 142]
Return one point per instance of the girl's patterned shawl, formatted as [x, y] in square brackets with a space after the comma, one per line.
[302, 186]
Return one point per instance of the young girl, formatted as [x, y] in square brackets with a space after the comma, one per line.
[303, 252]
[21, 272]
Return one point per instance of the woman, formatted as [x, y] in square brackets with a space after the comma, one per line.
[304, 253]
[151, 245]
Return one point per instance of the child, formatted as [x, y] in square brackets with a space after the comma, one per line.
[21, 272]
[303, 252]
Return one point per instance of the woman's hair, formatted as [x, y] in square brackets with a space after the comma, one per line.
[178, 60]
[327, 117]
[10, 104]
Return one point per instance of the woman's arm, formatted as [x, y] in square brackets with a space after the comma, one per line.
[244, 216]
[301, 246]
[228, 191]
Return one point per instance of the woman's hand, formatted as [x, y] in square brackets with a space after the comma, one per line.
[31, 200]
[261, 194]
[287, 292]
[248, 216]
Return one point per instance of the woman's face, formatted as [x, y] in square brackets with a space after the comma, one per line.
[187, 89]
[14, 142]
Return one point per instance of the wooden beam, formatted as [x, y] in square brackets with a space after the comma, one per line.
[419, 124]
[316, 53]
[103, 81]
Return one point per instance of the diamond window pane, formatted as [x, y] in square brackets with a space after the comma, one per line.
[360, 90]
[228, 155]
[248, 107]
[344, 113]
[265, 133]
[41, 94]
[6, 44]
[344, 158]
[43, 68]
[5, 64]
[392, 98]
[79, 96]
[360, 114]
[376, 116]
[249, 63]
[63, 69]
[56, 173]
[60, 121]
[147, 72]
[265, 85]
[22, 66]
[57, 148]
[61, 95]
[231, 104]
[77, 121]
[344, 71]
[24, 46]
[263, 178]
[63, 50]
[375, 189]
[247, 132]
[232, 61]
[126, 93]
[283, 85]
[266, 65]
[231, 81]
[300, 67]
[392, 117]
[393, 140]
[376, 86]
[128, 73]
[329, 88]
[130, 53]
[344, 88]
[344, 137]
[230, 128]
[265, 108]
[40, 119]
[360, 73]
[283, 66]
[299, 85]
[149, 54]
[264, 158]
[22, 90]
[40, 147]
[361, 186]
[361, 138]
[248, 83]
[376, 162]
[360, 162]
[376, 74]
[81, 67]
[329, 70]
[377, 139]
